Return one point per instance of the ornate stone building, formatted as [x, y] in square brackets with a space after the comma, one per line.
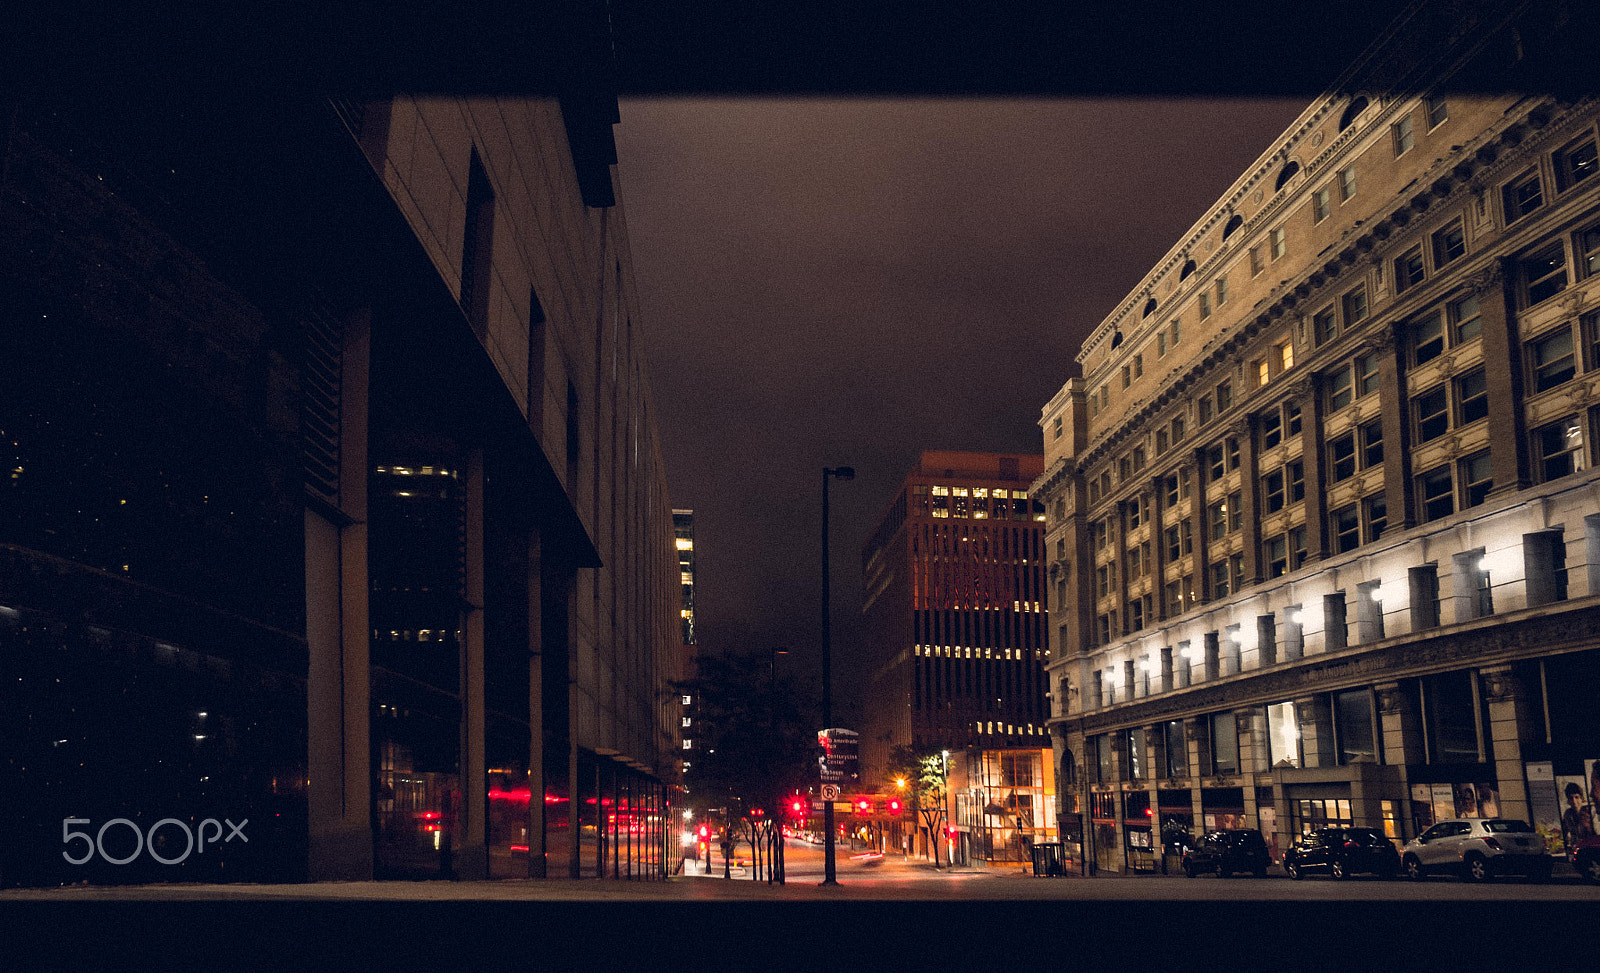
[1323, 522]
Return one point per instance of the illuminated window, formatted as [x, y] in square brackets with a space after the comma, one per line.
[1285, 355]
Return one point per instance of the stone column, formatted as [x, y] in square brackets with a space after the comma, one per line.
[1495, 288]
[1316, 732]
[1202, 528]
[1396, 420]
[1158, 548]
[1250, 497]
[1312, 449]
[1400, 725]
[1510, 722]
[1252, 756]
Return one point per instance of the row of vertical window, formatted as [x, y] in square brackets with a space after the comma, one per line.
[1545, 575]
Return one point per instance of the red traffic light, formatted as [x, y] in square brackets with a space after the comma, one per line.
[894, 805]
[705, 832]
[797, 806]
[863, 805]
[757, 813]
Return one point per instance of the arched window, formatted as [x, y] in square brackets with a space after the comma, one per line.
[1349, 116]
[1285, 174]
[1116, 339]
[1233, 224]
[1149, 308]
[1188, 268]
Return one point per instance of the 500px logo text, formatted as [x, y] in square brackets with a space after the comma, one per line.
[195, 841]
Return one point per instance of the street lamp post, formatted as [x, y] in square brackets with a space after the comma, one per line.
[843, 473]
[775, 863]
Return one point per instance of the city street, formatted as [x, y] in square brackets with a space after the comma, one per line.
[695, 922]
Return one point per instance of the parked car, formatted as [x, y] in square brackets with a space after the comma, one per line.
[1477, 849]
[1341, 852]
[1227, 852]
[1585, 857]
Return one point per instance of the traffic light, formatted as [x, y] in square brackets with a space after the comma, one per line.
[894, 805]
[797, 806]
[757, 813]
[705, 833]
[863, 806]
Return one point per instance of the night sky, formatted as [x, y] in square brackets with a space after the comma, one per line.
[834, 281]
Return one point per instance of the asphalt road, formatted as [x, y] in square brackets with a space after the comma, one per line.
[891, 913]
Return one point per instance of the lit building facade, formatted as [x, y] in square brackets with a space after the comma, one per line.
[1322, 521]
[683, 543]
[346, 488]
[955, 622]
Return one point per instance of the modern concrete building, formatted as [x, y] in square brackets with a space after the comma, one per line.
[1323, 518]
[955, 622]
[333, 469]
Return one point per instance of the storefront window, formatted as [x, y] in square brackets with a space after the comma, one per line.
[1353, 711]
[1177, 749]
[1283, 735]
[1224, 744]
[1452, 730]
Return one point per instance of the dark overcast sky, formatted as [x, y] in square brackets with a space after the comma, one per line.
[834, 281]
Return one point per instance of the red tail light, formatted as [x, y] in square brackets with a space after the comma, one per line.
[1492, 843]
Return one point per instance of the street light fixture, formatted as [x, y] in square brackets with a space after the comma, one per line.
[843, 473]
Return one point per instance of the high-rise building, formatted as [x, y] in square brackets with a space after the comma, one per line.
[1322, 530]
[956, 630]
[334, 498]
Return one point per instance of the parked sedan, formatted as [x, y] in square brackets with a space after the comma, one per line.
[1477, 849]
[1343, 851]
[1227, 852]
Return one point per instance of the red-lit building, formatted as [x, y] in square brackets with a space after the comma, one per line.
[955, 623]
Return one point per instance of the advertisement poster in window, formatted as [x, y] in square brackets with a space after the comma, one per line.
[1444, 801]
[1421, 807]
[1269, 829]
[1545, 805]
[1481, 800]
[1577, 817]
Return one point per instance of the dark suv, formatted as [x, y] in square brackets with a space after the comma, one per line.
[1227, 852]
[1343, 851]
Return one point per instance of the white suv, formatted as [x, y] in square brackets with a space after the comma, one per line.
[1478, 848]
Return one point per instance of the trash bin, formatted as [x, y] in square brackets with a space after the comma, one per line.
[1047, 860]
